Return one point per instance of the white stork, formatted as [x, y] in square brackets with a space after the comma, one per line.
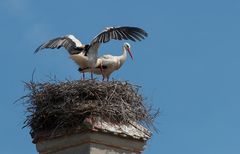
[86, 55]
[107, 64]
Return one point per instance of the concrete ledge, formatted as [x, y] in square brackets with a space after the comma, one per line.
[91, 143]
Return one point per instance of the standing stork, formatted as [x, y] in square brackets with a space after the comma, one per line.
[107, 64]
[86, 55]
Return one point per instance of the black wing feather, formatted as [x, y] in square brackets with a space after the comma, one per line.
[120, 33]
[59, 42]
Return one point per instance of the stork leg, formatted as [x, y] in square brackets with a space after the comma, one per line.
[92, 73]
[101, 69]
[83, 75]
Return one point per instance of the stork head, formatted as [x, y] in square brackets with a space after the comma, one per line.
[127, 47]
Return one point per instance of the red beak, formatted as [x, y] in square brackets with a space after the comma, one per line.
[130, 53]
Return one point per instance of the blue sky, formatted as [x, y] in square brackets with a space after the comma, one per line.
[188, 66]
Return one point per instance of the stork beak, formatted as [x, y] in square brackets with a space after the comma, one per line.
[130, 53]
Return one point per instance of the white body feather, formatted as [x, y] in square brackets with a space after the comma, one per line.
[112, 63]
[75, 40]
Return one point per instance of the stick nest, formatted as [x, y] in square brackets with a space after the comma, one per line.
[64, 105]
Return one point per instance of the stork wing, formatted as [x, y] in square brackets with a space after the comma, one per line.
[120, 33]
[107, 57]
[69, 42]
[107, 62]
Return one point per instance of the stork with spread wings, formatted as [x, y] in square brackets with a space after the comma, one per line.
[86, 55]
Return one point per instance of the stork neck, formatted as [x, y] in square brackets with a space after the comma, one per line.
[122, 58]
[92, 50]
[124, 52]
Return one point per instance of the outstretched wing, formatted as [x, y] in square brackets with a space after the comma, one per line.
[120, 33]
[69, 42]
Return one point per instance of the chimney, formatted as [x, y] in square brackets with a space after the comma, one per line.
[87, 117]
[102, 138]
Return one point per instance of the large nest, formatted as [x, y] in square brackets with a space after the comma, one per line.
[64, 105]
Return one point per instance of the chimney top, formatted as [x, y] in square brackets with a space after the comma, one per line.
[132, 130]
